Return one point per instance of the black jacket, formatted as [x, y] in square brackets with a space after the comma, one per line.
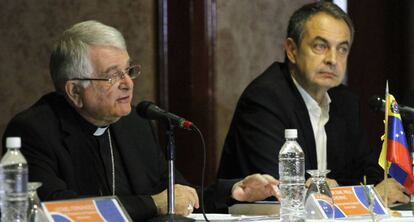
[271, 104]
[59, 156]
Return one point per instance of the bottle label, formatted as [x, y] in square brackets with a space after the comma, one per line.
[15, 181]
[291, 167]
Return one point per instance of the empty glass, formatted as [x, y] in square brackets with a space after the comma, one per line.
[35, 212]
[318, 200]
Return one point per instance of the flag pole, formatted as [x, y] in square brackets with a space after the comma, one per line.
[387, 104]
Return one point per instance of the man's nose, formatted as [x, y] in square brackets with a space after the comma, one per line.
[330, 57]
[126, 82]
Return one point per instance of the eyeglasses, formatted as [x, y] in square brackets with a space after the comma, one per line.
[133, 72]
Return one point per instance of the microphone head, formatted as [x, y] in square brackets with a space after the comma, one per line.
[142, 109]
[148, 110]
[376, 103]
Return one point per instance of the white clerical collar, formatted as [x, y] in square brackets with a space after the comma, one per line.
[100, 130]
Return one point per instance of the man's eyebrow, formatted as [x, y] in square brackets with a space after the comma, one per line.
[116, 67]
[319, 38]
[346, 42]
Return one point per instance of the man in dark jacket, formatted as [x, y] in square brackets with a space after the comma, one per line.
[83, 140]
[305, 93]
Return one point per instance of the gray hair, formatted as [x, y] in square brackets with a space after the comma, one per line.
[298, 19]
[70, 56]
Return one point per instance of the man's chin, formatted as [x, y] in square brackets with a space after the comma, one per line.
[126, 111]
[330, 84]
[121, 113]
[115, 118]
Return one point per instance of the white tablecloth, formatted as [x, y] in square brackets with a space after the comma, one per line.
[406, 216]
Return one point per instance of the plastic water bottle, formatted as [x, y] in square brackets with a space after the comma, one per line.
[292, 179]
[14, 176]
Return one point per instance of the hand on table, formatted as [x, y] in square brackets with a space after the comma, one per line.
[255, 187]
[186, 199]
[396, 191]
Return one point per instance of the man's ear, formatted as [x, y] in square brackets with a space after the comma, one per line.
[291, 50]
[73, 93]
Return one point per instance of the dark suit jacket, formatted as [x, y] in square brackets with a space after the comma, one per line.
[58, 155]
[271, 104]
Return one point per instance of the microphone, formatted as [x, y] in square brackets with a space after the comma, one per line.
[149, 110]
[377, 104]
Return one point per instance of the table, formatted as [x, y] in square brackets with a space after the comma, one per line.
[406, 217]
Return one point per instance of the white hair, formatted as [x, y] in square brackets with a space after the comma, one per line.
[70, 56]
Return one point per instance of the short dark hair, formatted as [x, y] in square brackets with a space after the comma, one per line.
[298, 19]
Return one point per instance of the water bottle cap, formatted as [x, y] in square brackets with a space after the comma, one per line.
[13, 142]
[291, 133]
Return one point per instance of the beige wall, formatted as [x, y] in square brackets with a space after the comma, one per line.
[28, 29]
[250, 36]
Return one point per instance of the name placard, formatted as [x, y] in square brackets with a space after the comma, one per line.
[100, 209]
[351, 201]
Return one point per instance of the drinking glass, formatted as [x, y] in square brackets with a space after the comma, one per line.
[35, 212]
[319, 203]
[370, 198]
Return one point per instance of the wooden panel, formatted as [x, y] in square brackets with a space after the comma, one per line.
[186, 78]
[380, 52]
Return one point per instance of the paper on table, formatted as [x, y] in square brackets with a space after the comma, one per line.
[229, 217]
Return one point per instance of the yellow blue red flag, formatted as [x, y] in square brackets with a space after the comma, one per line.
[396, 152]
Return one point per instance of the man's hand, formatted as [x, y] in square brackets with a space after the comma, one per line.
[255, 187]
[186, 200]
[395, 191]
[331, 182]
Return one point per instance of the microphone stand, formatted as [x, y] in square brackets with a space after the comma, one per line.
[171, 216]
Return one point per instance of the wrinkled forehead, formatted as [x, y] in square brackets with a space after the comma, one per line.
[105, 59]
[325, 26]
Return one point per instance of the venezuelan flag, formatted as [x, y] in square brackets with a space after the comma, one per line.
[397, 153]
